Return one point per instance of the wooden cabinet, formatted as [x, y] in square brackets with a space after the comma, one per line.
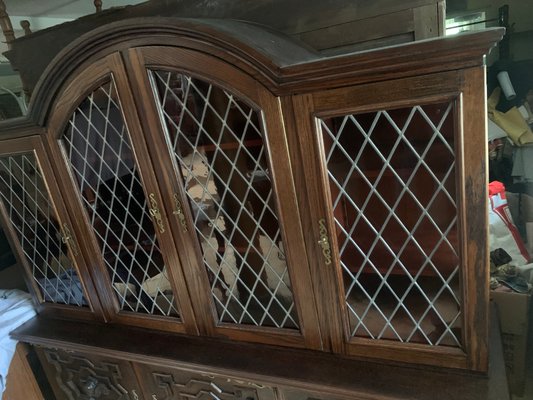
[239, 186]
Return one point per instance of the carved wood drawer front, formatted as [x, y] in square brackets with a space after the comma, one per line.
[296, 394]
[79, 377]
[175, 384]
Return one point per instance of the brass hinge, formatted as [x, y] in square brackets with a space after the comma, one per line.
[156, 214]
[324, 241]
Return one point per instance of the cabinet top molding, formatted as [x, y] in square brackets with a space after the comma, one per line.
[280, 63]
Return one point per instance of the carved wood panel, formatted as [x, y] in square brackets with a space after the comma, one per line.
[297, 394]
[175, 384]
[78, 377]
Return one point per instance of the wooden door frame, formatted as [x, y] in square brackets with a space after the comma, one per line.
[286, 70]
[90, 78]
[466, 88]
[230, 78]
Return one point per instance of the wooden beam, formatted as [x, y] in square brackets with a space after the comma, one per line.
[5, 23]
[25, 24]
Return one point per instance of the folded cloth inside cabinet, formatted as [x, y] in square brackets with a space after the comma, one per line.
[66, 288]
[15, 309]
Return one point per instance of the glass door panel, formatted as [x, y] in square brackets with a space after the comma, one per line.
[42, 239]
[392, 179]
[217, 141]
[101, 158]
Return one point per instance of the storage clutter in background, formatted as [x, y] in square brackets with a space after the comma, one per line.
[513, 311]
[511, 267]
[510, 137]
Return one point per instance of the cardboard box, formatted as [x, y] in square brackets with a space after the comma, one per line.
[513, 309]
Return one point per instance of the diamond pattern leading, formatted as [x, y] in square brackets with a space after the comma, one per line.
[32, 216]
[392, 180]
[217, 141]
[101, 158]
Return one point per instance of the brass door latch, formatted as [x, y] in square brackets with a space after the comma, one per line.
[156, 214]
[66, 238]
[324, 241]
[180, 214]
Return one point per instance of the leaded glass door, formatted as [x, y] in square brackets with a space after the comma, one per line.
[390, 217]
[42, 235]
[232, 196]
[110, 183]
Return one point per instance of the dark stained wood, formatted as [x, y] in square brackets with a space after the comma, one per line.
[72, 95]
[170, 184]
[65, 105]
[223, 75]
[151, 188]
[474, 222]
[319, 15]
[418, 58]
[400, 93]
[311, 371]
[362, 34]
[86, 376]
[287, 208]
[302, 134]
[172, 383]
[19, 127]
[423, 89]
[97, 75]
[162, 31]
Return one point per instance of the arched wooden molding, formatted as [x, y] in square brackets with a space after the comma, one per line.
[5, 23]
[98, 5]
[25, 24]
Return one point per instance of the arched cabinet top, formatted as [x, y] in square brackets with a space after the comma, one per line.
[255, 50]
[281, 64]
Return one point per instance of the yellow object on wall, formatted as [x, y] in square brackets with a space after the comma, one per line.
[512, 122]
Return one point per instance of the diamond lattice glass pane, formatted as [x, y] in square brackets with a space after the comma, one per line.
[33, 218]
[392, 181]
[101, 159]
[217, 141]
